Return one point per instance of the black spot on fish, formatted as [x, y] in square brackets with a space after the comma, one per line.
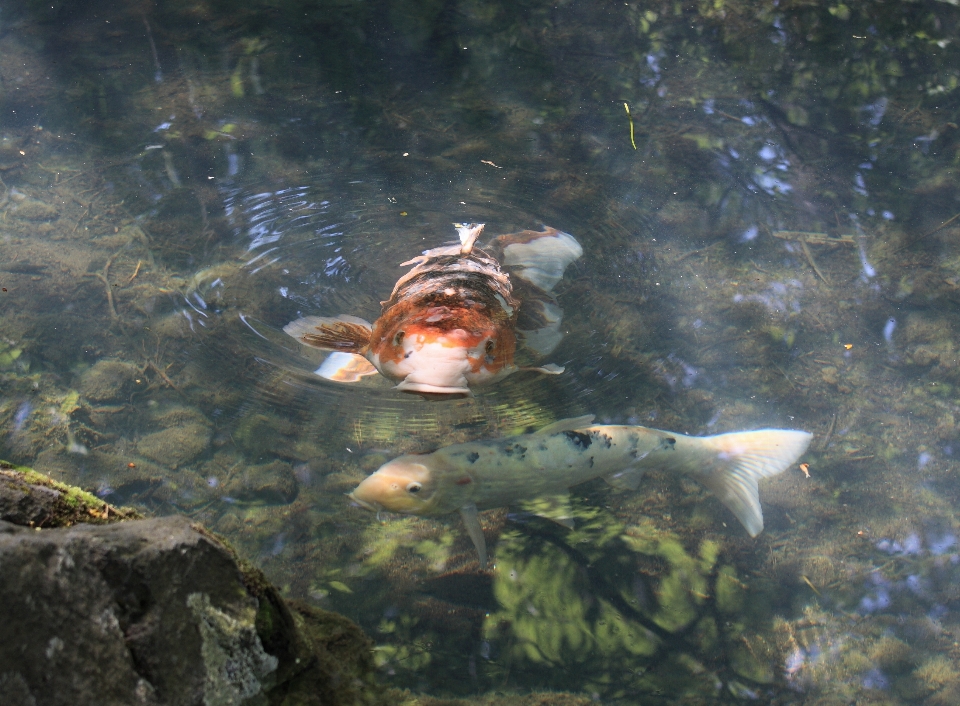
[670, 443]
[579, 439]
[604, 438]
[473, 456]
[511, 449]
[591, 462]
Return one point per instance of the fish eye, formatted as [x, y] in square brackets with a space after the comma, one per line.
[491, 344]
[398, 339]
[414, 487]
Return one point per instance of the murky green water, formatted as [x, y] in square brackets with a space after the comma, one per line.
[770, 239]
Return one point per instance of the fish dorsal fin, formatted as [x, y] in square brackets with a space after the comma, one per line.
[471, 520]
[468, 232]
[555, 508]
[348, 334]
[539, 258]
[566, 425]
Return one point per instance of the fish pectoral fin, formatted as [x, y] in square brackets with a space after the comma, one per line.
[345, 367]
[542, 341]
[471, 520]
[548, 369]
[567, 425]
[348, 334]
[539, 258]
[555, 508]
[539, 324]
[627, 479]
[741, 460]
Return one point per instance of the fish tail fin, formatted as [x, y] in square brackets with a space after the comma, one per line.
[539, 258]
[347, 334]
[739, 460]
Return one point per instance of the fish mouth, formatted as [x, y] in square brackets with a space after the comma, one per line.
[372, 507]
[434, 392]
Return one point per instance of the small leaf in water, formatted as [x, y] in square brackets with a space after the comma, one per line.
[340, 586]
[71, 403]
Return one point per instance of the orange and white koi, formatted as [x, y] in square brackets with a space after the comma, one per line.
[452, 322]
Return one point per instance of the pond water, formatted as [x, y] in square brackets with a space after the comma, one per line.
[767, 199]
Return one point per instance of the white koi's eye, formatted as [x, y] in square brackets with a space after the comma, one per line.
[398, 339]
[414, 487]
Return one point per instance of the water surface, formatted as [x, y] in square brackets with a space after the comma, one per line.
[767, 199]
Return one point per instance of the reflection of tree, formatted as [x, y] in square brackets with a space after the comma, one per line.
[616, 607]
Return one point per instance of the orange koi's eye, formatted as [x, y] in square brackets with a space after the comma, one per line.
[491, 344]
[398, 339]
[414, 487]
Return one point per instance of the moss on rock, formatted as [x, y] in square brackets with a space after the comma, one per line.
[109, 381]
[175, 446]
[266, 484]
[34, 500]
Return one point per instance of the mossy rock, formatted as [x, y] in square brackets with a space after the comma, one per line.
[175, 446]
[259, 435]
[109, 381]
[324, 658]
[32, 499]
[321, 657]
[264, 484]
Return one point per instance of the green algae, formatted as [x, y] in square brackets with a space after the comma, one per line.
[72, 505]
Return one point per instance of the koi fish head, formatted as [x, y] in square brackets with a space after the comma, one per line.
[416, 484]
[404, 485]
[441, 351]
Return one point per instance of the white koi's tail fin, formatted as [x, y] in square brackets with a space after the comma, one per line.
[741, 459]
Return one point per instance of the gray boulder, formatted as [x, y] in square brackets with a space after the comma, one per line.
[129, 611]
[143, 612]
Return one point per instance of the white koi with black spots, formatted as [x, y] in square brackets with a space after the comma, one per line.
[480, 475]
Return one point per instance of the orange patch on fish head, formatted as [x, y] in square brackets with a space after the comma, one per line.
[404, 485]
[441, 351]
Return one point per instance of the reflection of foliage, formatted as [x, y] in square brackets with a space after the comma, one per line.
[819, 83]
[684, 588]
[615, 606]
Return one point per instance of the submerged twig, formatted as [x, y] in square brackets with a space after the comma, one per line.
[813, 263]
[163, 375]
[135, 272]
[826, 439]
[102, 276]
[940, 227]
